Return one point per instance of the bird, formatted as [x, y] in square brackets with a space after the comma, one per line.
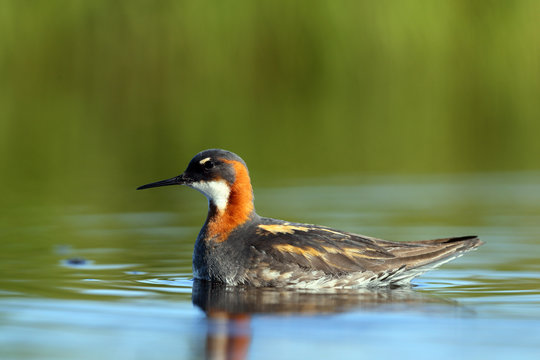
[238, 247]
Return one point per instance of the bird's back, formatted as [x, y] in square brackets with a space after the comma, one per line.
[311, 256]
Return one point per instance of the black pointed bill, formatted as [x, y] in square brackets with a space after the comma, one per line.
[177, 180]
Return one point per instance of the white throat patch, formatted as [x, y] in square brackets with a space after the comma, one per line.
[216, 192]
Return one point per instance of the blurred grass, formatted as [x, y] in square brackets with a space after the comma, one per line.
[101, 93]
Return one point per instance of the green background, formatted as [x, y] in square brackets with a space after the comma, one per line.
[403, 120]
[101, 95]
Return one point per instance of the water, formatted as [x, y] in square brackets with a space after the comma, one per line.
[86, 282]
[98, 97]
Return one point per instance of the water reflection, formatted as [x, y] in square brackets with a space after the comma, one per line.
[230, 309]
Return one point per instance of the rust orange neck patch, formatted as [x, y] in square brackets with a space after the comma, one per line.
[239, 205]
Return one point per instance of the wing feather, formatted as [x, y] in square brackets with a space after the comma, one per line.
[318, 248]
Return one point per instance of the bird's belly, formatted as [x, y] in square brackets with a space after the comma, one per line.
[317, 279]
[314, 279]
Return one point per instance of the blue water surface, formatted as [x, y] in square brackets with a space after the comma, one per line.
[80, 283]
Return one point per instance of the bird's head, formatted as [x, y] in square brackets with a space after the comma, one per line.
[220, 175]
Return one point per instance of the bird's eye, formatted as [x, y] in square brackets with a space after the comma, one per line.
[208, 164]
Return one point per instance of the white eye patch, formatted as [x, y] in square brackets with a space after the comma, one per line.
[216, 192]
[204, 160]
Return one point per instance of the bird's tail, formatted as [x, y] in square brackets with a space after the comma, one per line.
[416, 257]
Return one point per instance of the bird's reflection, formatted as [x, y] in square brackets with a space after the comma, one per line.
[229, 309]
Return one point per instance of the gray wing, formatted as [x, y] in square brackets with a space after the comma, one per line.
[285, 247]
